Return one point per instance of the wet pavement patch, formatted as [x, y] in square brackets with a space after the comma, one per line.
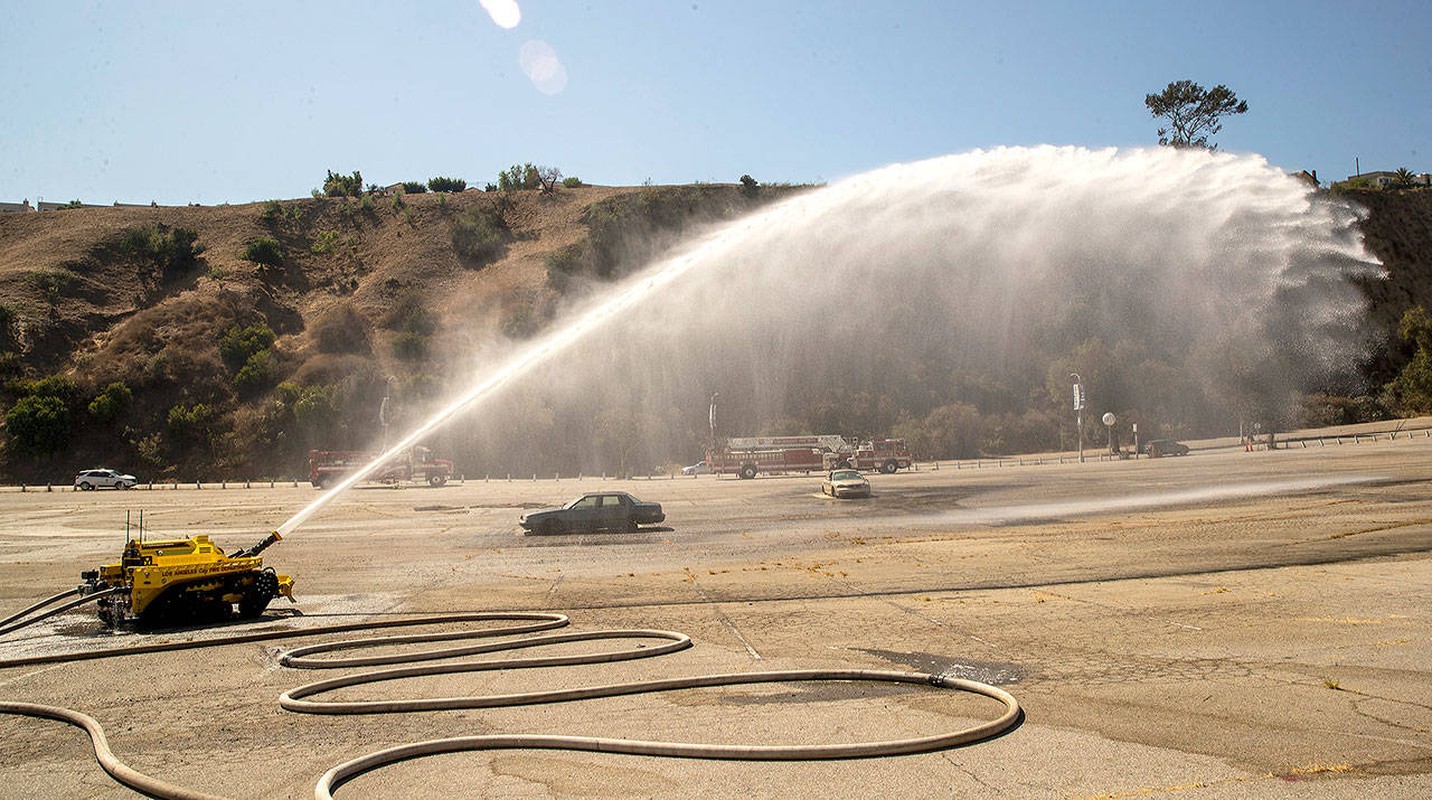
[828, 691]
[991, 672]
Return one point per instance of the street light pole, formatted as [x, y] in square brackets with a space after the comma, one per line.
[1079, 410]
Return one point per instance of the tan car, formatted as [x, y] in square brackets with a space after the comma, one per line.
[843, 483]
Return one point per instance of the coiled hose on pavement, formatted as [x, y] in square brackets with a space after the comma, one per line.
[298, 699]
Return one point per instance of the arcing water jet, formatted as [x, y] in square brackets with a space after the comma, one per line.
[1188, 284]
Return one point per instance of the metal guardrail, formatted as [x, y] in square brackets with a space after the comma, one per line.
[1295, 442]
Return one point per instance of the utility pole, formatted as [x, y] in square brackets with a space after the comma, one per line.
[383, 413]
[714, 395]
[1079, 410]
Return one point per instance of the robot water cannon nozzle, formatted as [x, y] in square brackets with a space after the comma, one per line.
[272, 538]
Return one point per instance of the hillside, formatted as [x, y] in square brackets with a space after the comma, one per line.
[375, 295]
[123, 353]
[1399, 230]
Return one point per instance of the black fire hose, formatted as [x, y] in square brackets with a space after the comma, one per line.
[48, 600]
[10, 623]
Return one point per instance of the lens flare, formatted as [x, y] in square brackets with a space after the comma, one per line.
[541, 65]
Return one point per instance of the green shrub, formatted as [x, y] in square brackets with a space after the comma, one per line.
[194, 424]
[572, 182]
[414, 187]
[631, 228]
[569, 259]
[523, 176]
[341, 330]
[414, 323]
[256, 372]
[38, 424]
[1410, 392]
[336, 185]
[749, 186]
[1321, 410]
[313, 408]
[9, 329]
[149, 450]
[564, 263]
[480, 236]
[326, 243]
[61, 386]
[409, 312]
[53, 284]
[39, 421]
[410, 346]
[169, 250]
[264, 251]
[110, 403]
[447, 184]
[138, 241]
[238, 345]
[521, 322]
[179, 249]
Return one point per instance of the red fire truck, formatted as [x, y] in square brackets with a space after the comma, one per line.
[886, 455]
[748, 456]
[328, 467]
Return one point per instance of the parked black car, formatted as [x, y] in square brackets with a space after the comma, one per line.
[594, 511]
[1164, 447]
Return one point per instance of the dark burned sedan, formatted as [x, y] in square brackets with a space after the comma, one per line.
[594, 511]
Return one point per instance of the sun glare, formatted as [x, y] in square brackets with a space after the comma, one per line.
[503, 12]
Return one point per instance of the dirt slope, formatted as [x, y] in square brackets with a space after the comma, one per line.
[83, 308]
[374, 295]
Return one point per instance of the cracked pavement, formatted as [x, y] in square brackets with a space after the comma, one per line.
[1227, 624]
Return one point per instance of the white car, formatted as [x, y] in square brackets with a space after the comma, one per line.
[846, 483]
[699, 468]
[95, 478]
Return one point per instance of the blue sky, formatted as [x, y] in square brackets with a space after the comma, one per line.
[236, 102]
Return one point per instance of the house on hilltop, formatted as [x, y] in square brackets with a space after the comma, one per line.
[16, 208]
[1382, 179]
